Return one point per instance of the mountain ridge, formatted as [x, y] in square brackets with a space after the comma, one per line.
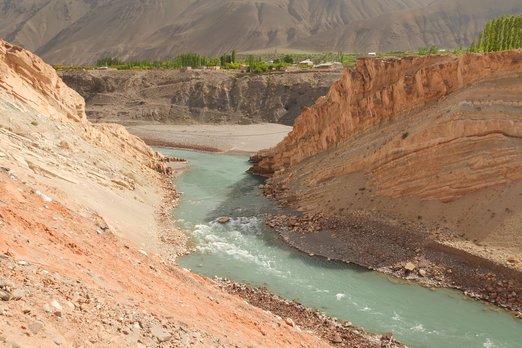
[82, 31]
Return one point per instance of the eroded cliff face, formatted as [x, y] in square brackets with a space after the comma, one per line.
[197, 96]
[377, 91]
[435, 139]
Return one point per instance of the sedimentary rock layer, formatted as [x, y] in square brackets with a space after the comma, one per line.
[405, 137]
[377, 92]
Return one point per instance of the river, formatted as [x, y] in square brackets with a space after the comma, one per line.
[245, 250]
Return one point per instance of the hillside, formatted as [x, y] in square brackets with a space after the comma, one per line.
[81, 31]
[420, 152]
[81, 235]
[196, 96]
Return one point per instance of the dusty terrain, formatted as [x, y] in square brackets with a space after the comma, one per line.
[82, 31]
[422, 153]
[196, 96]
[85, 248]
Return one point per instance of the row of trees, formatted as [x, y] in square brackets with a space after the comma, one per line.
[192, 60]
[502, 33]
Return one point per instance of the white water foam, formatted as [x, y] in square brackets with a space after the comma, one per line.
[488, 344]
[340, 296]
[418, 328]
[238, 239]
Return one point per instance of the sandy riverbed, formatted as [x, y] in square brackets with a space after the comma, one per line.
[227, 138]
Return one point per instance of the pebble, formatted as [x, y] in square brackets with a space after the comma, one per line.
[337, 338]
[512, 260]
[56, 308]
[17, 294]
[161, 334]
[223, 219]
[289, 322]
[409, 266]
[36, 327]
[4, 296]
[59, 340]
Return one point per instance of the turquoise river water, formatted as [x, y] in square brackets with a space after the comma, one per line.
[245, 250]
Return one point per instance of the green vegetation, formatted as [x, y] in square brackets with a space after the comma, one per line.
[109, 61]
[256, 64]
[184, 60]
[502, 33]
[430, 50]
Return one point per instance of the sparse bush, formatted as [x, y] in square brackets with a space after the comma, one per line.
[232, 66]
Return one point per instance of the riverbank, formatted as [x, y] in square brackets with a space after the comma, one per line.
[212, 138]
[294, 314]
[401, 249]
[246, 250]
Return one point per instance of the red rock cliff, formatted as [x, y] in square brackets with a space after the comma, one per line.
[376, 91]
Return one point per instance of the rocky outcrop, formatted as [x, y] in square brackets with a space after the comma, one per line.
[377, 91]
[197, 96]
[29, 79]
[432, 140]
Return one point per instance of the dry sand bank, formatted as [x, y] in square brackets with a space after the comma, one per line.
[227, 138]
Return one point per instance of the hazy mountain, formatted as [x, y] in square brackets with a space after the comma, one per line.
[80, 31]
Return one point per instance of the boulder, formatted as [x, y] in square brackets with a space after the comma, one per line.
[409, 267]
[223, 219]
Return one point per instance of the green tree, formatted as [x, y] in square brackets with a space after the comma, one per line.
[502, 33]
[109, 61]
[288, 59]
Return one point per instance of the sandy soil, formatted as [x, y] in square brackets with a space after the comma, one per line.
[228, 138]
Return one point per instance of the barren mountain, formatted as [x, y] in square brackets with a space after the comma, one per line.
[420, 152]
[80, 31]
